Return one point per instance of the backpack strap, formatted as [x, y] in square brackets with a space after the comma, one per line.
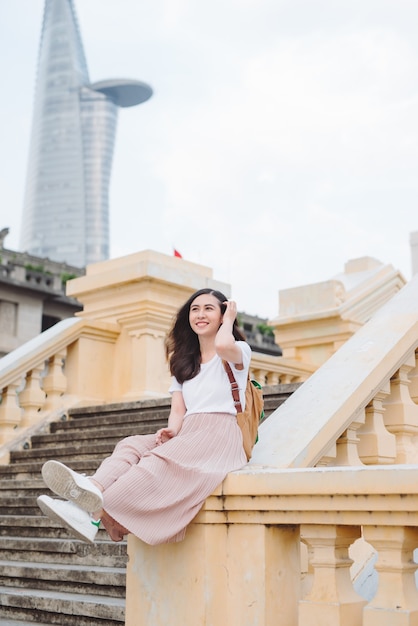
[234, 386]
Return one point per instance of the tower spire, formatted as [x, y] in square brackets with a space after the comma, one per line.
[66, 206]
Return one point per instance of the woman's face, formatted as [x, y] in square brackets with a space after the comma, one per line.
[205, 315]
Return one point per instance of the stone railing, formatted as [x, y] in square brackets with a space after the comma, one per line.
[273, 370]
[320, 528]
[255, 524]
[50, 373]
[78, 361]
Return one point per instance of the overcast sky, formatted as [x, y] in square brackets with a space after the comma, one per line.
[280, 142]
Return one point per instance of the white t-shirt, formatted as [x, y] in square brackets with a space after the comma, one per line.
[210, 390]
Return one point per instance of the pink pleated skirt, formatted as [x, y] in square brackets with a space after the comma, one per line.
[155, 491]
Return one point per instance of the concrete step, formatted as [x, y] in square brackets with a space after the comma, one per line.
[94, 435]
[26, 526]
[151, 406]
[100, 420]
[275, 395]
[47, 577]
[18, 486]
[68, 452]
[32, 469]
[14, 622]
[25, 506]
[93, 579]
[18, 497]
[66, 609]
[63, 551]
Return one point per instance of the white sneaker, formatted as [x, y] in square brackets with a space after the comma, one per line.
[72, 486]
[71, 516]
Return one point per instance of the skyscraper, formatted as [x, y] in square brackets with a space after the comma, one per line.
[66, 206]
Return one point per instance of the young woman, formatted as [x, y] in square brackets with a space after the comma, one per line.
[154, 485]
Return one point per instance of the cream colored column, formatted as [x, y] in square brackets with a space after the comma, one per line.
[10, 412]
[332, 600]
[32, 398]
[396, 600]
[141, 353]
[220, 575]
[401, 414]
[377, 446]
[55, 381]
[139, 295]
[413, 377]
[90, 364]
[347, 450]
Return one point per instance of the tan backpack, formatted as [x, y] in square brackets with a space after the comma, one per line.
[249, 419]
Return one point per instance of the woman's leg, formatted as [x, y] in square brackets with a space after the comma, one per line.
[87, 492]
[115, 531]
[75, 487]
[127, 452]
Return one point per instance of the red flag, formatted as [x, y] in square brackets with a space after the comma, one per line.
[177, 253]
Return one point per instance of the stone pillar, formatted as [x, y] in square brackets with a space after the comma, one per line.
[10, 412]
[315, 320]
[221, 574]
[376, 444]
[401, 413]
[90, 363]
[332, 600]
[32, 398]
[396, 600]
[139, 294]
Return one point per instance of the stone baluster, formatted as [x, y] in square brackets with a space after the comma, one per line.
[329, 457]
[332, 600]
[396, 600]
[55, 381]
[258, 375]
[401, 414]
[377, 446]
[273, 378]
[286, 379]
[347, 444]
[32, 397]
[263, 374]
[10, 412]
[413, 377]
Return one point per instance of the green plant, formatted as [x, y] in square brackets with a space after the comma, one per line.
[67, 276]
[34, 268]
[265, 330]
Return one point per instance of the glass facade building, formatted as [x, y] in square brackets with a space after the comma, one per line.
[66, 205]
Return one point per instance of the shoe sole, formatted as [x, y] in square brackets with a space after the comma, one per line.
[62, 481]
[49, 512]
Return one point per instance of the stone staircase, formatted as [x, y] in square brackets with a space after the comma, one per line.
[47, 577]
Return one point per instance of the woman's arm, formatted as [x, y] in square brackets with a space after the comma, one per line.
[175, 419]
[225, 343]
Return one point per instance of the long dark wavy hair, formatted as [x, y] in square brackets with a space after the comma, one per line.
[182, 344]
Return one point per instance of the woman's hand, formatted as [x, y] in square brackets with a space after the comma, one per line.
[164, 434]
[175, 419]
[230, 313]
[225, 344]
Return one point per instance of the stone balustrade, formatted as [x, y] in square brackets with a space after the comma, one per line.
[114, 349]
[320, 528]
[57, 370]
[51, 373]
[273, 370]
[243, 551]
